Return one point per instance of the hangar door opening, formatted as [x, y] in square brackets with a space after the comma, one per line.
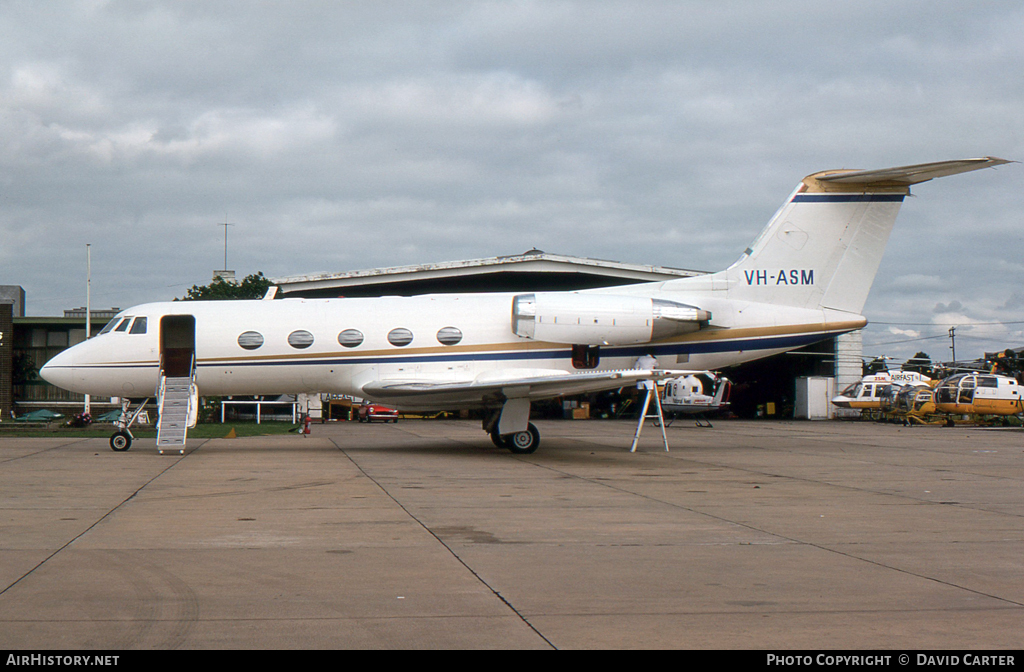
[177, 345]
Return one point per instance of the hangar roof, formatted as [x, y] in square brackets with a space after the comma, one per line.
[532, 270]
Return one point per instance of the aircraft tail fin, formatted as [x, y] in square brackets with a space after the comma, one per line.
[722, 393]
[824, 245]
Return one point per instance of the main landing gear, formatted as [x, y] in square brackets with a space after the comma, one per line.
[518, 443]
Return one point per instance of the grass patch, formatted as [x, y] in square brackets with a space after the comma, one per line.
[104, 430]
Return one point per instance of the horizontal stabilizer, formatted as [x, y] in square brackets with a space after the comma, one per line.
[908, 175]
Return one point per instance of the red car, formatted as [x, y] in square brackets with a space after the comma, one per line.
[371, 412]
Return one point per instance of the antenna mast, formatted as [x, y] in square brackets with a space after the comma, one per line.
[226, 224]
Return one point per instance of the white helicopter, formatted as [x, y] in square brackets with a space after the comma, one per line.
[697, 395]
[804, 278]
[867, 393]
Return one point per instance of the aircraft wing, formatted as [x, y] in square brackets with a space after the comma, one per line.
[493, 388]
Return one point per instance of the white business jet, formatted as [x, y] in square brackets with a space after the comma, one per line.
[805, 278]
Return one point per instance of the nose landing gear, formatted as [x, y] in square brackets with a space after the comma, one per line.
[121, 440]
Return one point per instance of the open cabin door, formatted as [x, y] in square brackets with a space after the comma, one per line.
[177, 345]
[178, 395]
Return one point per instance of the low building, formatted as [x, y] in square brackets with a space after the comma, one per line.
[35, 340]
[6, 359]
[15, 296]
[105, 314]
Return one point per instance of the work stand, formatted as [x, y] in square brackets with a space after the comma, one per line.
[651, 390]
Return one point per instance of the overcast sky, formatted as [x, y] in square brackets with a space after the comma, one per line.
[338, 136]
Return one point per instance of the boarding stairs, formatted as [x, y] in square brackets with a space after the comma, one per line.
[178, 398]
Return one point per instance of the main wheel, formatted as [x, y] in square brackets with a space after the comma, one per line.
[121, 441]
[523, 443]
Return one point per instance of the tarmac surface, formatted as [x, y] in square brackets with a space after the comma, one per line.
[422, 534]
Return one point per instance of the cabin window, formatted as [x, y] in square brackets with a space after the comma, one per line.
[124, 324]
[868, 391]
[350, 338]
[585, 356]
[138, 326]
[988, 381]
[250, 340]
[400, 337]
[300, 339]
[449, 336]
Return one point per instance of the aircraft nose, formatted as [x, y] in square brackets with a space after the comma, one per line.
[60, 370]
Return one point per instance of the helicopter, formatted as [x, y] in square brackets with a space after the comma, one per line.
[696, 394]
[979, 394]
[867, 394]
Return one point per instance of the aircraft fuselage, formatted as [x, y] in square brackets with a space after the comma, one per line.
[339, 345]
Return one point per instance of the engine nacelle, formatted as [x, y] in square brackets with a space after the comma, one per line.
[602, 319]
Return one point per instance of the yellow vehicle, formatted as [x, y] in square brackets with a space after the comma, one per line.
[979, 394]
[915, 405]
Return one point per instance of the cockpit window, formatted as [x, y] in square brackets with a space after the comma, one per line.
[110, 325]
[124, 324]
[138, 326]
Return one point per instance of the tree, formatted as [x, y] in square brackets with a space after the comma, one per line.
[253, 287]
[920, 362]
[877, 365]
[1008, 363]
[24, 369]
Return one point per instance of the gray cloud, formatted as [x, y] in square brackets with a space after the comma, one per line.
[951, 307]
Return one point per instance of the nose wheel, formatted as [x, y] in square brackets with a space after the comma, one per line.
[121, 441]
